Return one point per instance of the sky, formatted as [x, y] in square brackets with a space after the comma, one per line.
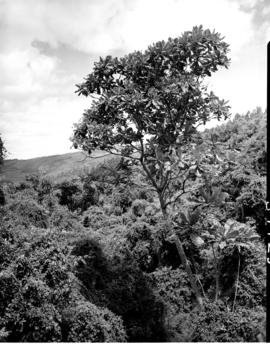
[49, 46]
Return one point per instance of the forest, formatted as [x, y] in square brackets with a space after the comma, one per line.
[164, 241]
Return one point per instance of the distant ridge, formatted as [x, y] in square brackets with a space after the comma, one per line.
[56, 167]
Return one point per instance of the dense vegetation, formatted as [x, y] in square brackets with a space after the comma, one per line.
[163, 241]
[92, 259]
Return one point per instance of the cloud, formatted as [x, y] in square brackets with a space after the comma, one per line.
[28, 77]
[260, 10]
[101, 27]
[79, 24]
[43, 129]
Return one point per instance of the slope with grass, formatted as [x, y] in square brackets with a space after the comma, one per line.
[57, 167]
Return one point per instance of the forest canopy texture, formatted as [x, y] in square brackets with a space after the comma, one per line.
[163, 242]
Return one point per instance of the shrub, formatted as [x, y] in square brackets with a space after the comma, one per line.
[122, 198]
[35, 289]
[69, 194]
[44, 189]
[217, 324]
[139, 230]
[91, 266]
[9, 287]
[28, 212]
[252, 280]
[90, 194]
[6, 251]
[138, 207]
[99, 220]
[173, 288]
[64, 220]
[2, 197]
[128, 294]
[28, 323]
[251, 199]
[88, 323]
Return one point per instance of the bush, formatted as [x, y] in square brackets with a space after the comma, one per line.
[252, 280]
[88, 323]
[64, 220]
[217, 324]
[2, 197]
[138, 207]
[128, 294]
[97, 219]
[6, 252]
[91, 266]
[172, 286]
[9, 287]
[251, 199]
[121, 198]
[27, 212]
[35, 289]
[69, 194]
[27, 323]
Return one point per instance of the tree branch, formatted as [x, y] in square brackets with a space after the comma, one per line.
[149, 175]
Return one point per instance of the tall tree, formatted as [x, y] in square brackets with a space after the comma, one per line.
[147, 107]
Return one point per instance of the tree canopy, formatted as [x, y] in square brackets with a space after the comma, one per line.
[156, 98]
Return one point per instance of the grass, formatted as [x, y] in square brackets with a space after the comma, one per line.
[57, 167]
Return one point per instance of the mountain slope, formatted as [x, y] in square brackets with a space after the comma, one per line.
[57, 167]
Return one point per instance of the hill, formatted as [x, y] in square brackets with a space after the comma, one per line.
[246, 132]
[57, 167]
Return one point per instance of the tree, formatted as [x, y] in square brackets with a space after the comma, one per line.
[2, 151]
[147, 108]
[2, 155]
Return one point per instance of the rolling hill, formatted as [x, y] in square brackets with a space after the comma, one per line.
[57, 167]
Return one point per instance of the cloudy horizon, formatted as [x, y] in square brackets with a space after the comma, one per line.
[48, 46]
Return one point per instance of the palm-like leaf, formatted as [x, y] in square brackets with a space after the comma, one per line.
[239, 234]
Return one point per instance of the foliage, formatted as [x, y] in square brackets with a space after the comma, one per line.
[2, 197]
[217, 324]
[69, 193]
[113, 172]
[88, 323]
[37, 289]
[62, 219]
[138, 88]
[27, 212]
[77, 195]
[95, 258]
[2, 151]
[252, 277]
[173, 288]
[150, 103]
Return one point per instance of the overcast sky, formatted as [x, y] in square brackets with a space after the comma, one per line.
[48, 46]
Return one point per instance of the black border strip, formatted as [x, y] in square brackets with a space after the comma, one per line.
[268, 201]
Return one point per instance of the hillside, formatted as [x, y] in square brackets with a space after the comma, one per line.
[57, 167]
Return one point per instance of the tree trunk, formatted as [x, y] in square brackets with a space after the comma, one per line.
[237, 282]
[216, 273]
[183, 257]
[186, 265]
[177, 241]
